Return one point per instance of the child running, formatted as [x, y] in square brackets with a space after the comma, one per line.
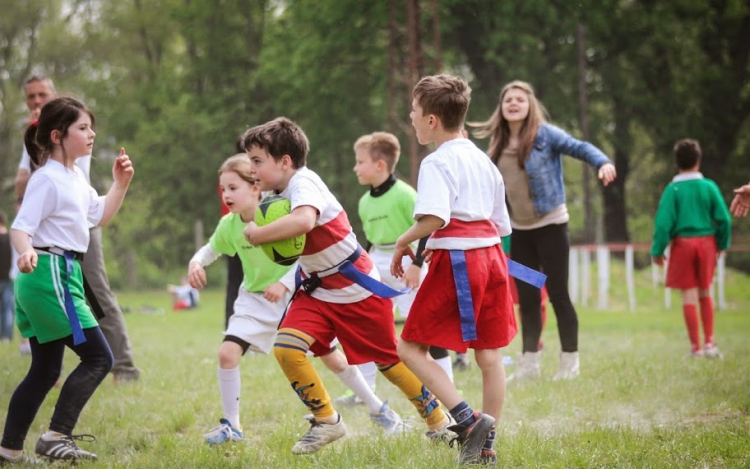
[693, 217]
[332, 305]
[263, 297]
[465, 299]
[51, 233]
[386, 212]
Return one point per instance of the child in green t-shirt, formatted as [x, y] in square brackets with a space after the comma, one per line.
[266, 290]
[693, 218]
[386, 212]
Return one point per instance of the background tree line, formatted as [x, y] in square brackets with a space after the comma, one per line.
[177, 81]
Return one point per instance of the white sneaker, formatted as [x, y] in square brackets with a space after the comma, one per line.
[319, 435]
[528, 367]
[223, 433]
[389, 420]
[443, 435]
[569, 366]
[712, 351]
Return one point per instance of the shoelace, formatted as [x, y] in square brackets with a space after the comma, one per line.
[68, 439]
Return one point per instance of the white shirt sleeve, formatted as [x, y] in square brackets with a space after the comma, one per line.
[39, 203]
[205, 256]
[436, 191]
[303, 191]
[500, 216]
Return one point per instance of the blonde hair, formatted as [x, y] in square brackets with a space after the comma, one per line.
[380, 146]
[445, 96]
[499, 132]
[239, 164]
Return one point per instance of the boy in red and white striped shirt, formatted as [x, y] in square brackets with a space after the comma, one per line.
[331, 305]
[465, 300]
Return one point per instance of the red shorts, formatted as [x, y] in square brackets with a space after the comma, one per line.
[434, 317]
[365, 329]
[691, 262]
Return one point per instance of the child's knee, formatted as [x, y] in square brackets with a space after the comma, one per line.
[335, 361]
[229, 355]
[291, 346]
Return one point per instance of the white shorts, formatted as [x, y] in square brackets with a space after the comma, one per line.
[256, 320]
[382, 259]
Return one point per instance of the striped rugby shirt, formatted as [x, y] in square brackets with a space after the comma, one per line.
[330, 242]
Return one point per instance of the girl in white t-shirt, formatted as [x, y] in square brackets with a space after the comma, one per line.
[50, 234]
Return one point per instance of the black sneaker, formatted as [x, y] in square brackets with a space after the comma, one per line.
[471, 440]
[64, 449]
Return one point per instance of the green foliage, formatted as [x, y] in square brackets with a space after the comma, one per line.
[176, 82]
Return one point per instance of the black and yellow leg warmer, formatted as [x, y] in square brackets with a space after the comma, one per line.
[290, 350]
[426, 403]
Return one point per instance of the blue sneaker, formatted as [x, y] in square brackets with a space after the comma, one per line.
[389, 420]
[223, 433]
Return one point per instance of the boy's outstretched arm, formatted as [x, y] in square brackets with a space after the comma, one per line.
[299, 222]
[423, 227]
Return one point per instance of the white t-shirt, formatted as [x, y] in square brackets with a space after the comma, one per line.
[330, 242]
[84, 163]
[58, 207]
[459, 181]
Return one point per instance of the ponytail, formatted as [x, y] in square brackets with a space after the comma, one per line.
[36, 153]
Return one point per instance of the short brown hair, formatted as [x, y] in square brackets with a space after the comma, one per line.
[279, 137]
[687, 153]
[380, 146]
[445, 96]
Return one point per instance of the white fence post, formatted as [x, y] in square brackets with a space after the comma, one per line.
[602, 260]
[629, 276]
[585, 277]
[574, 280]
[722, 272]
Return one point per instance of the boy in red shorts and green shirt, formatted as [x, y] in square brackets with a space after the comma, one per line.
[693, 217]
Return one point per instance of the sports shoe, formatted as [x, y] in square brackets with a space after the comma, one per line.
[348, 399]
[695, 354]
[223, 433]
[388, 419]
[462, 362]
[64, 449]
[22, 460]
[712, 351]
[319, 435]
[445, 434]
[569, 366]
[470, 440]
[488, 457]
[528, 367]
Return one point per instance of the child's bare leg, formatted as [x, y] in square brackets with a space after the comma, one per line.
[690, 296]
[417, 358]
[490, 362]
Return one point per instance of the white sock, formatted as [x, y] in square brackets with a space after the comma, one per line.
[369, 372]
[229, 386]
[445, 362]
[354, 380]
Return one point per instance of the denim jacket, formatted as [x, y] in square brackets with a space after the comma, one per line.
[544, 165]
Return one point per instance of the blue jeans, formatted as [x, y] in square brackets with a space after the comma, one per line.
[7, 309]
[46, 366]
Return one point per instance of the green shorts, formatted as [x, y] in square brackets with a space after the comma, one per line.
[40, 300]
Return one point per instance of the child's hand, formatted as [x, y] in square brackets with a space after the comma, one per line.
[397, 268]
[196, 276]
[607, 173]
[413, 276]
[275, 292]
[122, 170]
[251, 232]
[27, 261]
[659, 260]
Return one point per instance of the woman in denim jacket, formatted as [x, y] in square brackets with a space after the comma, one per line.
[528, 152]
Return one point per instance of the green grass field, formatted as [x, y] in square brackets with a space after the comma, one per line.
[639, 403]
